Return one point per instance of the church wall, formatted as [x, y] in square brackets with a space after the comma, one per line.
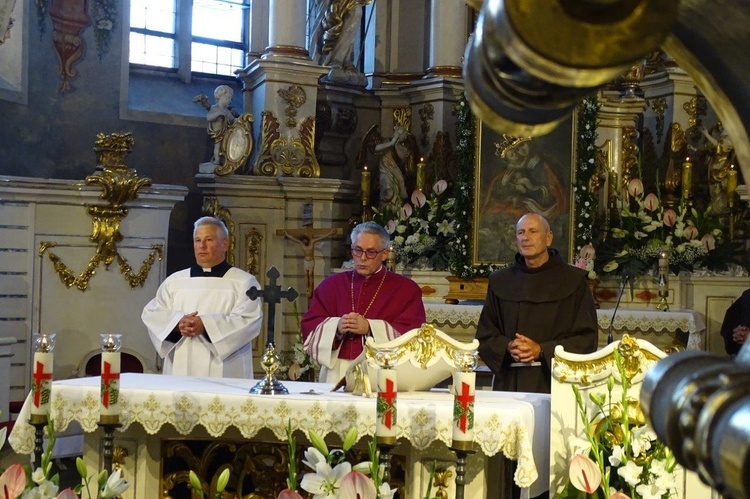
[52, 135]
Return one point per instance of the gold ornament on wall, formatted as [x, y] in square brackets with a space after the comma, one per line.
[119, 185]
[695, 108]
[253, 239]
[426, 114]
[402, 118]
[630, 152]
[659, 105]
[294, 96]
[286, 157]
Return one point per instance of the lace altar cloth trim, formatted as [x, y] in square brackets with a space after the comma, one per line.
[644, 321]
[504, 422]
[655, 321]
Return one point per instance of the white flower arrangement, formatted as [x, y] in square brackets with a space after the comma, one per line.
[422, 232]
[647, 228]
[620, 456]
[19, 481]
[333, 477]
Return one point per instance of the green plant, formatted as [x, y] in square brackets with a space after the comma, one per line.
[22, 481]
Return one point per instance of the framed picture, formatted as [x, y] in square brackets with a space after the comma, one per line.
[517, 175]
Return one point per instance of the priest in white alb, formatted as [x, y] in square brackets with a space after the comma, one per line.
[348, 307]
[201, 321]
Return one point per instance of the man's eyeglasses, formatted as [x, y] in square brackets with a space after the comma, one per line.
[371, 253]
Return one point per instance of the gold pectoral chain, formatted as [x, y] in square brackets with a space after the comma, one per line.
[68, 277]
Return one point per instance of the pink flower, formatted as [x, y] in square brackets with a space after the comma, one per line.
[588, 252]
[708, 241]
[691, 232]
[390, 227]
[289, 494]
[418, 198]
[405, 211]
[670, 217]
[651, 202]
[635, 187]
[356, 485]
[439, 187]
[619, 495]
[13, 481]
[584, 474]
[69, 494]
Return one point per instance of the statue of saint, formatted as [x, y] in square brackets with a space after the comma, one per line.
[720, 154]
[335, 27]
[397, 159]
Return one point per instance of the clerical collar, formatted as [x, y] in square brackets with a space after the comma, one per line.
[381, 269]
[216, 271]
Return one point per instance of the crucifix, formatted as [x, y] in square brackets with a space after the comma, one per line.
[271, 294]
[307, 237]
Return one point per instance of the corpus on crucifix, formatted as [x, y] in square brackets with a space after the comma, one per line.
[307, 237]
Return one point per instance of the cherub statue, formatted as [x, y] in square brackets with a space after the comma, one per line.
[220, 115]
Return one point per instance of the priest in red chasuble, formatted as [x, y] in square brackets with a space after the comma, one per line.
[348, 307]
[531, 307]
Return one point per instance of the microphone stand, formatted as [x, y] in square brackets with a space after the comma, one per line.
[625, 280]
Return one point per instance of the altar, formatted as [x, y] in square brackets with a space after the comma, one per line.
[160, 413]
[666, 330]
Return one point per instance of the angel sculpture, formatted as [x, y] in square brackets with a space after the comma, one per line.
[397, 166]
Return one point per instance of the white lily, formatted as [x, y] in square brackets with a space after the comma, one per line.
[326, 481]
[115, 485]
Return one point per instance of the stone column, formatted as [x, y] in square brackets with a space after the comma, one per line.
[286, 34]
[280, 89]
[447, 38]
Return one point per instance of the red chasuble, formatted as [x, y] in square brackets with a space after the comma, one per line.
[390, 297]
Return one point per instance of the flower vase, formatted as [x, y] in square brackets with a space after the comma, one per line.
[593, 283]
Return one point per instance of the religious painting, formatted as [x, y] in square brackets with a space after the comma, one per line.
[517, 175]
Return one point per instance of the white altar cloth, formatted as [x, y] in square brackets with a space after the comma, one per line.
[630, 320]
[514, 424]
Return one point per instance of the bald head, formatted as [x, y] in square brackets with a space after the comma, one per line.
[535, 216]
[533, 237]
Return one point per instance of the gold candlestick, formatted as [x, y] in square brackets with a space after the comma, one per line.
[731, 185]
[687, 179]
[420, 174]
